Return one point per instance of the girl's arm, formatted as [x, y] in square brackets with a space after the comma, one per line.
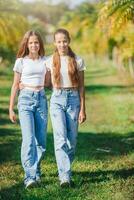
[82, 113]
[47, 82]
[14, 90]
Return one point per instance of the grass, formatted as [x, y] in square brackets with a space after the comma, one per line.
[104, 164]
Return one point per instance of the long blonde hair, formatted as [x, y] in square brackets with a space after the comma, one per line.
[23, 49]
[72, 65]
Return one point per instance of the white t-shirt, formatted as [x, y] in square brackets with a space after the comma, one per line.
[65, 80]
[32, 71]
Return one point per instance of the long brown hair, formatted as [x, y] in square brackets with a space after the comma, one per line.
[72, 65]
[23, 49]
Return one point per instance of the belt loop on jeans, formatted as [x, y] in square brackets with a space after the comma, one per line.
[66, 89]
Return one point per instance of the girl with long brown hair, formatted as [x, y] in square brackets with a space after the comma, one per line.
[67, 104]
[30, 71]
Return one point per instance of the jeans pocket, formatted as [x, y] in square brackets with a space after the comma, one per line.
[25, 96]
[25, 101]
[22, 103]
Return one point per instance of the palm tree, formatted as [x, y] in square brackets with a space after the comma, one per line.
[119, 11]
[124, 9]
[115, 17]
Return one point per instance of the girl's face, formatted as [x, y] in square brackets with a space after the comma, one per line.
[33, 44]
[61, 43]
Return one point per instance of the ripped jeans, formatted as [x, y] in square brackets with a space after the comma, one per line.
[32, 107]
[64, 111]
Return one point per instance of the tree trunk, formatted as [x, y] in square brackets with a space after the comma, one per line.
[131, 69]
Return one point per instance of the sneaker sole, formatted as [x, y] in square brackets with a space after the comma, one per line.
[65, 185]
[31, 185]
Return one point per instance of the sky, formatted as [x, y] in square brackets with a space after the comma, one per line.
[72, 3]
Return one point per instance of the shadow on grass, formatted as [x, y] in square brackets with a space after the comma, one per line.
[4, 116]
[18, 192]
[8, 153]
[7, 132]
[5, 91]
[10, 146]
[102, 88]
[101, 176]
[82, 179]
[4, 102]
[4, 119]
[12, 193]
[92, 146]
[4, 110]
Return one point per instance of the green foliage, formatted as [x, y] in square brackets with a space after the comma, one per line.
[84, 33]
[17, 17]
[13, 25]
[117, 13]
[116, 20]
[7, 53]
[38, 25]
[125, 8]
[7, 5]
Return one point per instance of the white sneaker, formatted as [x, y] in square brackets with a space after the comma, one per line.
[65, 184]
[38, 179]
[30, 184]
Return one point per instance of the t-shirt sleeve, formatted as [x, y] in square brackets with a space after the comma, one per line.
[49, 62]
[80, 64]
[18, 65]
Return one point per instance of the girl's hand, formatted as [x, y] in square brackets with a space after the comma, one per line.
[12, 116]
[21, 86]
[82, 117]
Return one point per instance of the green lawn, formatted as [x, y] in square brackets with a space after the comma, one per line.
[104, 164]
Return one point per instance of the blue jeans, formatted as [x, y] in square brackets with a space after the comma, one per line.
[33, 111]
[64, 111]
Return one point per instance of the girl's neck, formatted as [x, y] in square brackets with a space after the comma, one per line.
[63, 54]
[33, 56]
